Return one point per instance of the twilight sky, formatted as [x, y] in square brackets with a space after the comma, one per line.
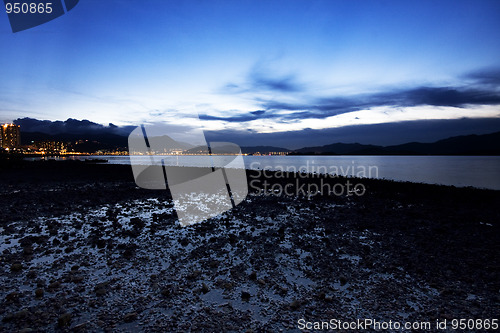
[292, 73]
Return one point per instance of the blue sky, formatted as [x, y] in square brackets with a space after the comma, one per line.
[260, 67]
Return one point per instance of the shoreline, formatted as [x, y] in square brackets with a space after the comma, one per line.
[350, 171]
[85, 249]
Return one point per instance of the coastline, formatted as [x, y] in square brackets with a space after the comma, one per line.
[104, 254]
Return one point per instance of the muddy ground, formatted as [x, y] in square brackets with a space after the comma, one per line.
[84, 249]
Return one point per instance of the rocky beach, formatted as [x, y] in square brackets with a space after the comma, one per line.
[84, 249]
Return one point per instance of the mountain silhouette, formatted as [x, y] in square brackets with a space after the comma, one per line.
[111, 137]
[486, 144]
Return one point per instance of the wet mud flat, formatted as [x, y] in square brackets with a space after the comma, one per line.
[83, 249]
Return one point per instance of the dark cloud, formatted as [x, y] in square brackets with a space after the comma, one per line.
[326, 107]
[286, 84]
[70, 126]
[258, 113]
[276, 105]
[441, 96]
[239, 118]
[485, 76]
[262, 79]
[483, 89]
[432, 96]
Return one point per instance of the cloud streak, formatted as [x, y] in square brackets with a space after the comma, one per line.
[287, 84]
[260, 79]
[486, 77]
[483, 90]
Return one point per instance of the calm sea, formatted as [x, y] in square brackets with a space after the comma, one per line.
[476, 171]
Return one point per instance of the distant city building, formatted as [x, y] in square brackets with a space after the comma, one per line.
[280, 153]
[10, 136]
[51, 146]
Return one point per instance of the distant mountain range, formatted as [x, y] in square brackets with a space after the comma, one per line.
[264, 150]
[106, 138]
[487, 144]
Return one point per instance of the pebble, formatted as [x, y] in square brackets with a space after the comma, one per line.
[328, 298]
[80, 327]
[26, 330]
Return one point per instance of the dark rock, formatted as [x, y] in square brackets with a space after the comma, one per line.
[64, 320]
[165, 292]
[31, 274]
[129, 317]
[20, 315]
[193, 275]
[295, 305]
[137, 223]
[16, 267]
[54, 285]
[12, 297]
[100, 243]
[245, 295]
[80, 327]
[26, 330]
[39, 293]
[27, 251]
[342, 280]
[77, 279]
[100, 292]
